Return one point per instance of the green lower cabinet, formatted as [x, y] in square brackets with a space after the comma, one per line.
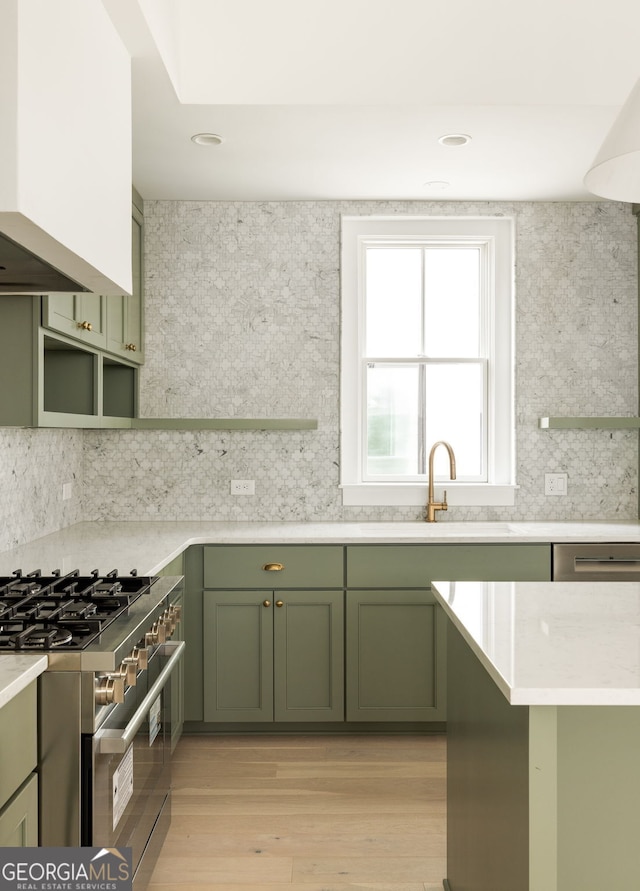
[18, 760]
[395, 656]
[273, 656]
[416, 566]
[19, 817]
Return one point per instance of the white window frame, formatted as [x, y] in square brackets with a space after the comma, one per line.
[496, 235]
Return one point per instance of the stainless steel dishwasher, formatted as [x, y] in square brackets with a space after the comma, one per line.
[597, 562]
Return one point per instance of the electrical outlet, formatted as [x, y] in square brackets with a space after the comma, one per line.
[67, 491]
[243, 487]
[555, 484]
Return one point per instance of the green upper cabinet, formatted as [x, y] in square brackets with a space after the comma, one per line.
[108, 322]
[125, 334]
[55, 380]
[80, 316]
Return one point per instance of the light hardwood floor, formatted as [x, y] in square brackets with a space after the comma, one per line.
[306, 813]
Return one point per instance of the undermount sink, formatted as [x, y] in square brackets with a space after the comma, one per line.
[470, 528]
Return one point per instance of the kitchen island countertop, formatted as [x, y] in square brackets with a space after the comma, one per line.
[552, 643]
[149, 546]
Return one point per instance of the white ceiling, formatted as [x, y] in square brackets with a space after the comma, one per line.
[347, 98]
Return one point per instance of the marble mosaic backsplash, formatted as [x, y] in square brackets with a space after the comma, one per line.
[243, 316]
[242, 320]
[34, 466]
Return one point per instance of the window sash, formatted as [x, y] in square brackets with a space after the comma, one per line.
[422, 418]
[484, 250]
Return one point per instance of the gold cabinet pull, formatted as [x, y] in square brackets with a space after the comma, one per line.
[279, 602]
[266, 603]
[273, 567]
[131, 346]
[86, 326]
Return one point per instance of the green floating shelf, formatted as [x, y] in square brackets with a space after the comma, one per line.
[589, 423]
[223, 424]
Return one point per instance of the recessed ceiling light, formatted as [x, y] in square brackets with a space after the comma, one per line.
[206, 139]
[437, 185]
[454, 139]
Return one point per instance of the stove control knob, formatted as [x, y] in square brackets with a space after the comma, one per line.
[130, 665]
[158, 634]
[141, 655]
[172, 615]
[109, 689]
[127, 671]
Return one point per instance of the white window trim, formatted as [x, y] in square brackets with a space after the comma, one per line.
[500, 488]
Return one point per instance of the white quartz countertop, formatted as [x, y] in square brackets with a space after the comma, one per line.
[16, 672]
[552, 643]
[149, 546]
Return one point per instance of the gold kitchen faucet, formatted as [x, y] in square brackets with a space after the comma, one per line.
[432, 505]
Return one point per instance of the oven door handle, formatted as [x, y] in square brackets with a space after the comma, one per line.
[116, 742]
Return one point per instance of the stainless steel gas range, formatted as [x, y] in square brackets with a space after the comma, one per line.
[105, 706]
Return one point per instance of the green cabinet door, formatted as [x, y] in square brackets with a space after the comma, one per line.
[308, 650]
[125, 311]
[395, 656]
[19, 817]
[81, 316]
[238, 656]
[273, 656]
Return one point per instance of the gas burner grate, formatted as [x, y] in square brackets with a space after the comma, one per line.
[63, 611]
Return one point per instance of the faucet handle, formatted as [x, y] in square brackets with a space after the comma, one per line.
[444, 500]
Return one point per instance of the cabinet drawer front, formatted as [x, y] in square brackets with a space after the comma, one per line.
[18, 736]
[413, 566]
[19, 818]
[242, 566]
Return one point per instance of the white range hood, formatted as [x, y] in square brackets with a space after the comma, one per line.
[65, 149]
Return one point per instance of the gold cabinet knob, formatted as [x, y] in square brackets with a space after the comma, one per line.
[86, 326]
[279, 603]
[273, 567]
[266, 603]
[131, 346]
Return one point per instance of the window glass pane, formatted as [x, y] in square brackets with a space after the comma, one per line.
[392, 419]
[452, 312]
[454, 410]
[393, 299]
